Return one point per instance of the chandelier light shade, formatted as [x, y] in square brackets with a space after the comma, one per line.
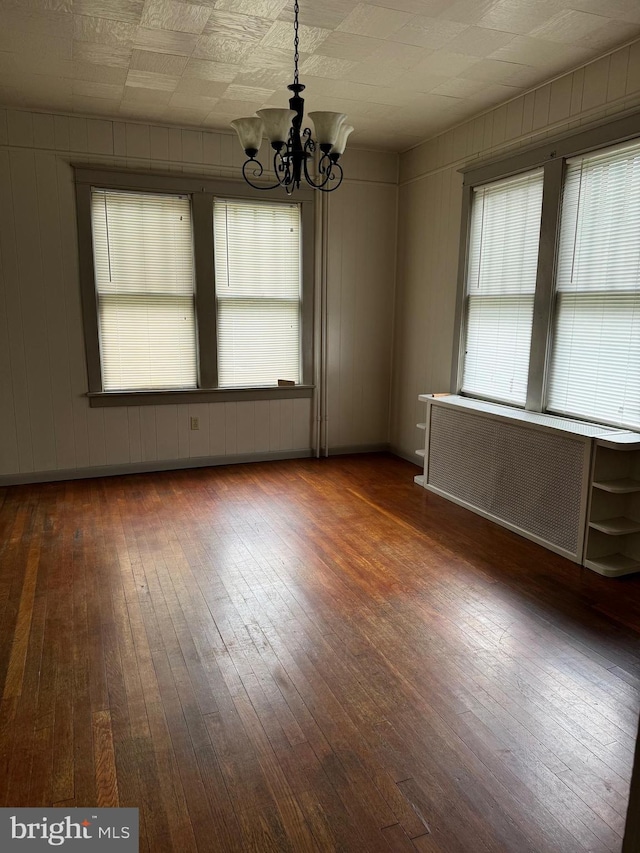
[293, 147]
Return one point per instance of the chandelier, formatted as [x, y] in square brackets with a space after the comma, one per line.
[293, 147]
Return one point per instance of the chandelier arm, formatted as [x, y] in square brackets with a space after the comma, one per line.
[256, 174]
[333, 178]
[328, 169]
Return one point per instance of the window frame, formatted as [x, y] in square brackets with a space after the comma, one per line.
[552, 157]
[202, 191]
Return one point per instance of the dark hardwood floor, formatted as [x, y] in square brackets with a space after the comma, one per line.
[310, 655]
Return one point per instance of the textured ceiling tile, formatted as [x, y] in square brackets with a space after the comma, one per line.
[102, 31]
[146, 96]
[149, 80]
[325, 66]
[619, 10]
[185, 101]
[476, 41]
[218, 121]
[185, 117]
[91, 72]
[36, 45]
[496, 93]
[570, 27]
[467, 11]
[375, 21]
[401, 56]
[221, 49]
[237, 108]
[262, 8]
[272, 59]
[445, 63]
[375, 73]
[327, 86]
[205, 70]
[171, 15]
[38, 23]
[136, 109]
[432, 33]
[37, 5]
[348, 46]
[166, 41]
[328, 15]
[201, 88]
[235, 92]
[611, 33]
[422, 83]
[160, 63]
[15, 64]
[495, 71]
[94, 89]
[428, 8]
[102, 54]
[541, 54]
[265, 78]
[520, 16]
[114, 10]
[280, 36]
[383, 95]
[245, 27]
[458, 87]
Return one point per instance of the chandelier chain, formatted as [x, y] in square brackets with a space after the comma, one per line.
[296, 41]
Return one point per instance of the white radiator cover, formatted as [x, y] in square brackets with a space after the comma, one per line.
[528, 477]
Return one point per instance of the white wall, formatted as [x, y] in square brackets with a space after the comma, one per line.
[430, 201]
[46, 424]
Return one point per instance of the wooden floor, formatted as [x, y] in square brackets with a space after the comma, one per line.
[310, 655]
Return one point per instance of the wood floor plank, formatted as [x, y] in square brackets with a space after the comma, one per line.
[312, 655]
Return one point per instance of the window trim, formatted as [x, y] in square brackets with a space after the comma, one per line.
[552, 156]
[202, 191]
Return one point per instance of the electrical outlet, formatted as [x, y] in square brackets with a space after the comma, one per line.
[195, 423]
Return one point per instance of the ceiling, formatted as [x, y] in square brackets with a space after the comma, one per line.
[401, 69]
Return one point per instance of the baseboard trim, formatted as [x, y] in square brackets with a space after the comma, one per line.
[358, 448]
[148, 467]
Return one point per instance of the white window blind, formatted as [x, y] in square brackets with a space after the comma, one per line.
[595, 364]
[257, 248]
[501, 282]
[143, 258]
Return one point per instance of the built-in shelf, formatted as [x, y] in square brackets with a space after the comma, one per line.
[614, 565]
[623, 486]
[613, 533]
[419, 479]
[619, 526]
[420, 451]
[424, 426]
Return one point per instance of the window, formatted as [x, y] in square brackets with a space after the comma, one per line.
[143, 258]
[501, 283]
[257, 264]
[550, 316]
[193, 288]
[595, 365]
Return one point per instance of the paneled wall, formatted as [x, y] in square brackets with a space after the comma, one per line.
[46, 425]
[429, 216]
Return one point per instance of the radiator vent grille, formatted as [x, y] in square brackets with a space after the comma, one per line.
[526, 477]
